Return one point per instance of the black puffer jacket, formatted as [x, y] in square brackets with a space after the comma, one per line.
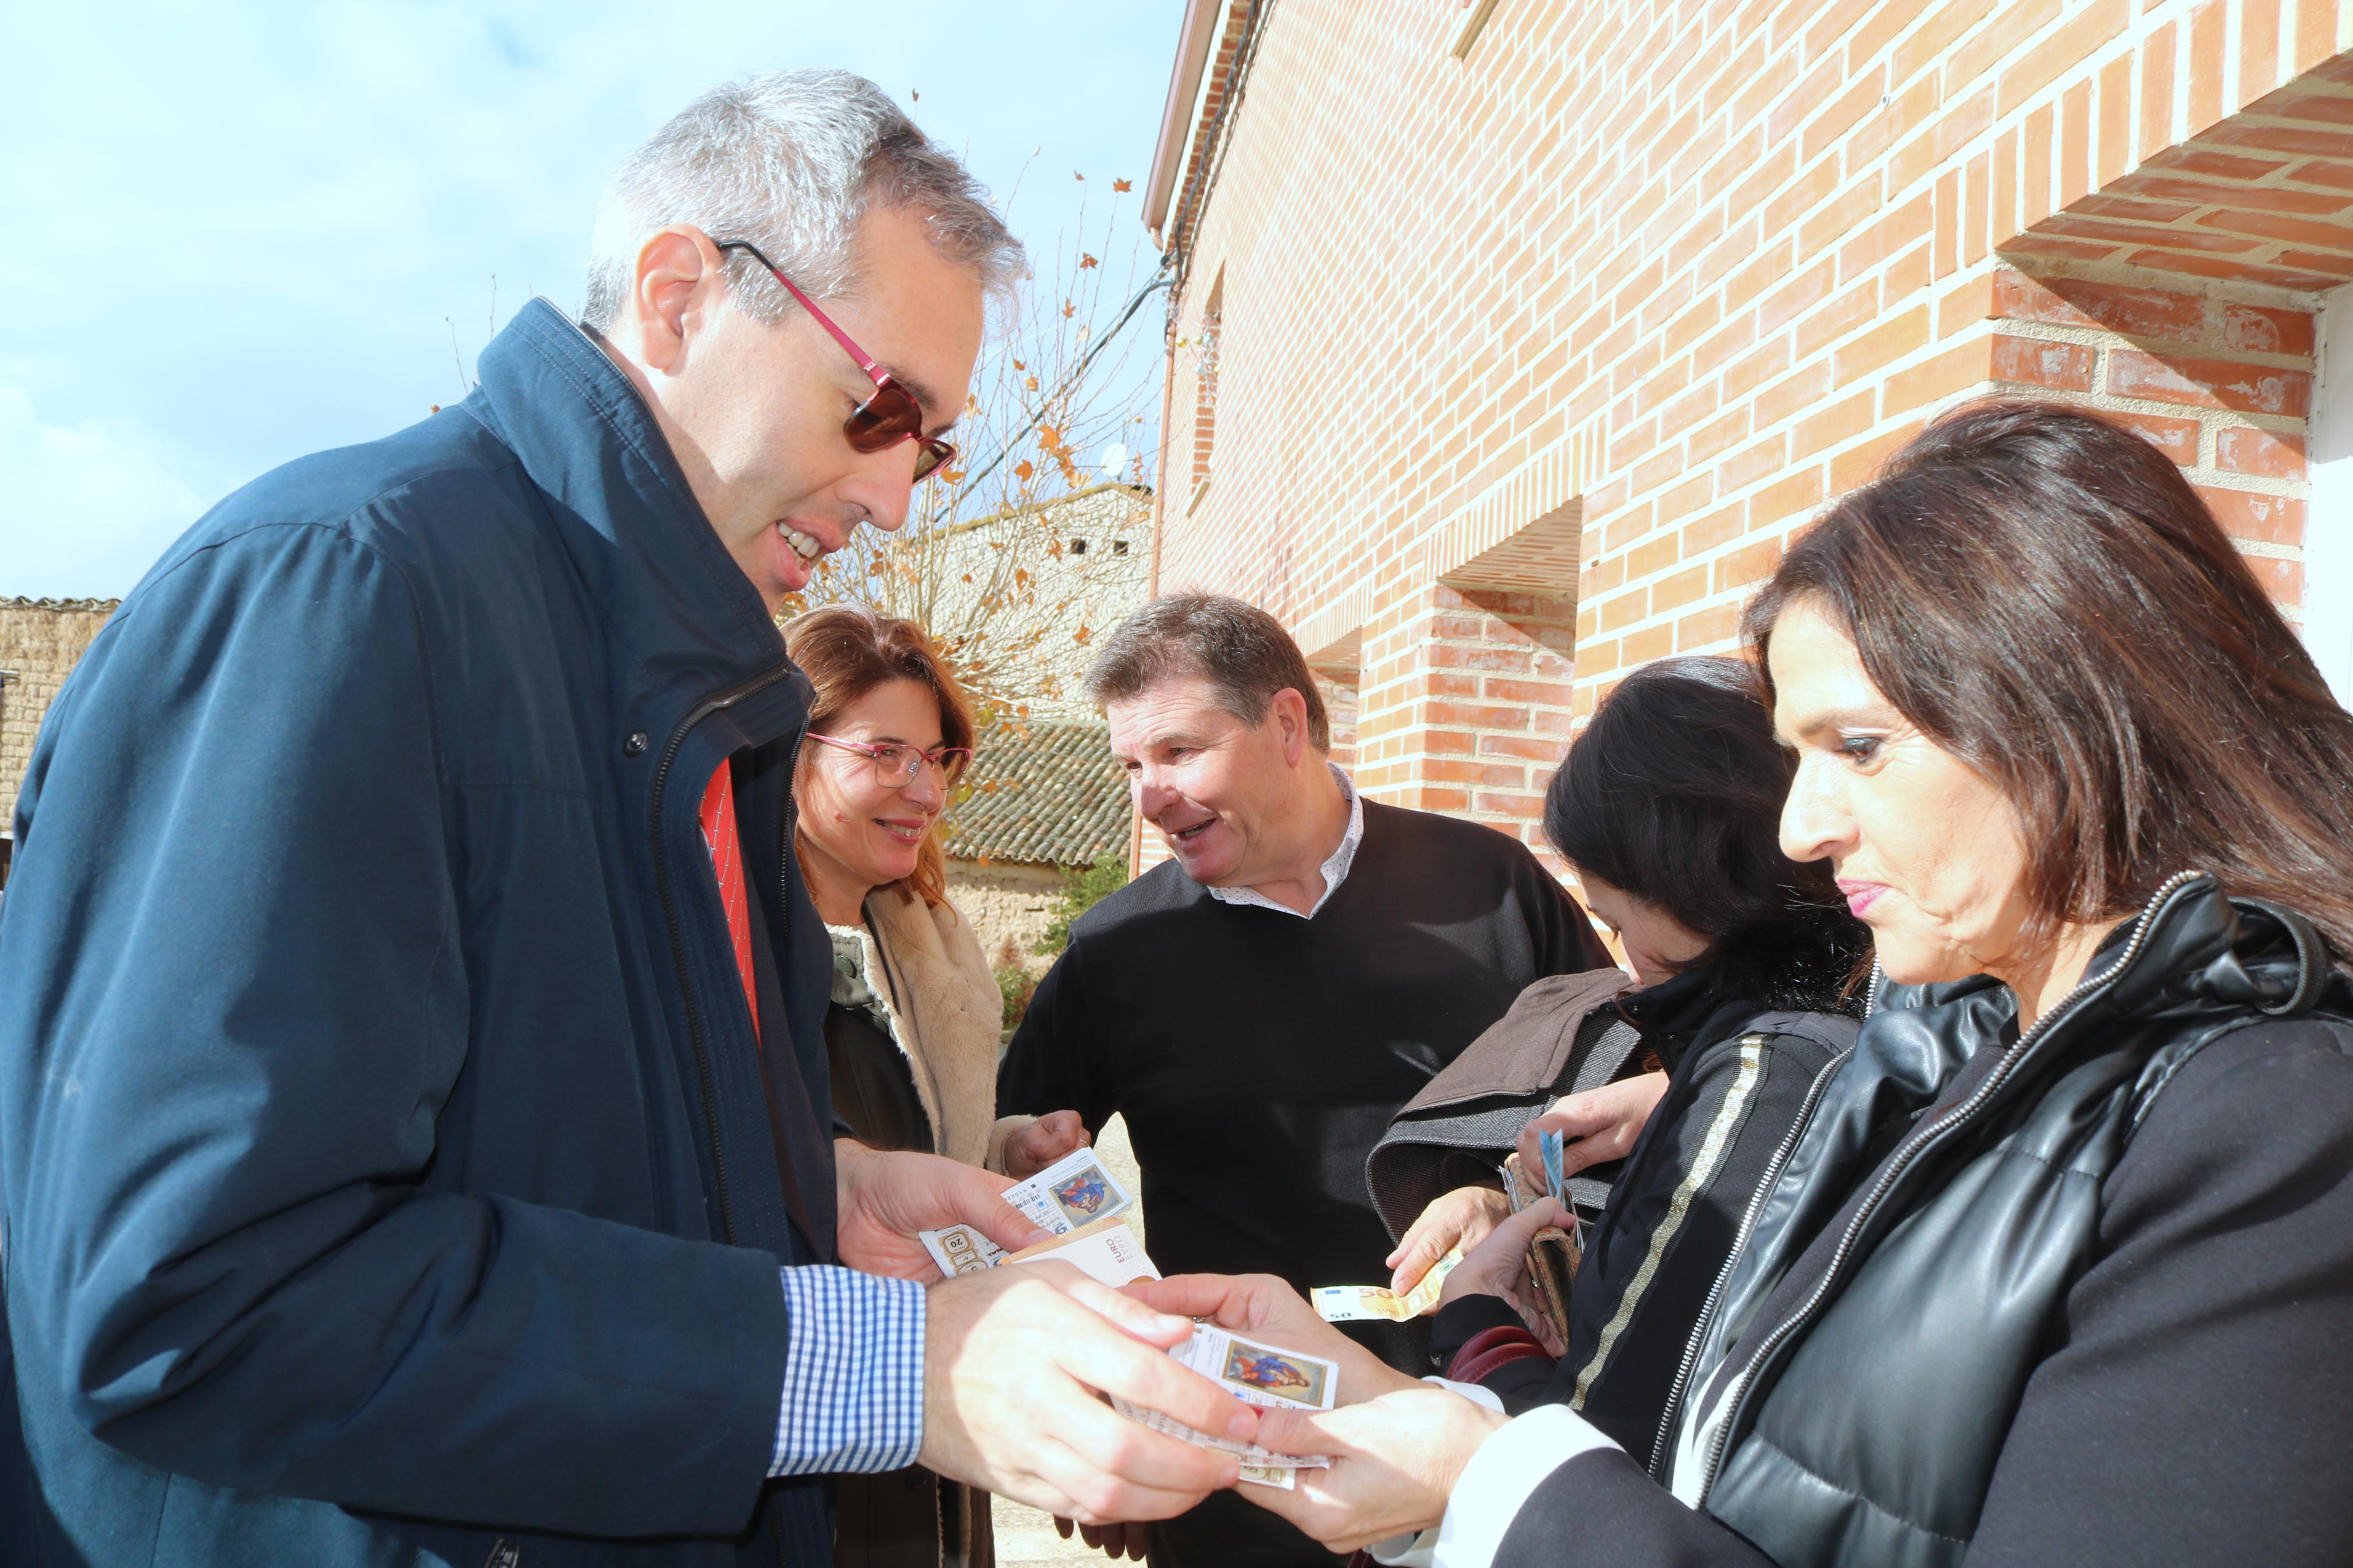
[2080, 1296]
[1738, 1072]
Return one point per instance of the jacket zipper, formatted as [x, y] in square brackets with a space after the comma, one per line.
[1806, 1107]
[1658, 1447]
[717, 703]
[1903, 1158]
[792, 830]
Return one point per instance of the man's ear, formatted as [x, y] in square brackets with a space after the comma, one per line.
[1287, 712]
[677, 274]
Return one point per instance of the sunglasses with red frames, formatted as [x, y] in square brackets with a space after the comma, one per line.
[892, 414]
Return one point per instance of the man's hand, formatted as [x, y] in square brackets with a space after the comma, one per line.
[1014, 1357]
[1043, 1142]
[1499, 1266]
[1114, 1541]
[884, 1199]
[1262, 1305]
[1460, 1218]
[1394, 1463]
[1596, 1127]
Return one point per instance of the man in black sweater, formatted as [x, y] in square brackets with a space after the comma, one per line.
[1259, 1008]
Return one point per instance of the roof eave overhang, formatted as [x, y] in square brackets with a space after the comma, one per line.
[1203, 22]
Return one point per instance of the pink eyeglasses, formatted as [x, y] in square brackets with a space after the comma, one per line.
[896, 766]
[892, 414]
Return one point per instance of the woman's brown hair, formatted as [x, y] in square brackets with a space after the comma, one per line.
[2047, 598]
[846, 653]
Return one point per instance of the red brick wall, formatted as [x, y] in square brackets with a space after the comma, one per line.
[2220, 386]
[1681, 270]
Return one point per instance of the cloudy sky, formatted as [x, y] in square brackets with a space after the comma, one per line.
[247, 231]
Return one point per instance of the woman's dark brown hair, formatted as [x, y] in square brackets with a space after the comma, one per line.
[2047, 599]
[846, 653]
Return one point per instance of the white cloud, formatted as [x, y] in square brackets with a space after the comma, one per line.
[87, 506]
[249, 229]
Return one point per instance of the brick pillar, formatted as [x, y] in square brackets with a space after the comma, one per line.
[1465, 707]
[1339, 692]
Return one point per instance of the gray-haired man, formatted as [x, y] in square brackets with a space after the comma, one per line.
[1258, 1009]
[414, 1125]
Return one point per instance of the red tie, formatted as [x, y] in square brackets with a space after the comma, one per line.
[728, 861]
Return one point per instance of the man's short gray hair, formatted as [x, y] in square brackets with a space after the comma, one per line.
[1243, 653]
[791, 160]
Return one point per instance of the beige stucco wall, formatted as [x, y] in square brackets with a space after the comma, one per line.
[40, 640]
[1006, 902]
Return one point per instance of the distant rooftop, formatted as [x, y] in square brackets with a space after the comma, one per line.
[1044, 791]
[77, 606]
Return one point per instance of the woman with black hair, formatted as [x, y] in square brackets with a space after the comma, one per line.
[1744, 966]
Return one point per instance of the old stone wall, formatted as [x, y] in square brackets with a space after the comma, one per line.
[40, 642]
[1006, 902]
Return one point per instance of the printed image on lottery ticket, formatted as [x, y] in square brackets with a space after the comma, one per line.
[1069, 1193]
[1256, 1373]
[1249, 1368]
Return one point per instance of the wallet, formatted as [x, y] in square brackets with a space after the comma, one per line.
[1553, 1257]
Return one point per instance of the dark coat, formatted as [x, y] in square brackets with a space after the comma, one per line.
[1738, 1072]
[387, 1175]
[2078, 1297]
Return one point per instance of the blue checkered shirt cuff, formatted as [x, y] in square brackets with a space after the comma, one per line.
[853, 1373]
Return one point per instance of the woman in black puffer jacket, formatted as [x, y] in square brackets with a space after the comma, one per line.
[1747, 971]
[2060, 1264]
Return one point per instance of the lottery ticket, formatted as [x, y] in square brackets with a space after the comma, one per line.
[960, 1249]
[1105, 1250]
[1359, 1303]
[1282, 1475]
[1070, 1193]
[1075, 1190]
[1255, 1374]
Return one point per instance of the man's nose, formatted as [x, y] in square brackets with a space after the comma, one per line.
[883, 485]
[1153, 796]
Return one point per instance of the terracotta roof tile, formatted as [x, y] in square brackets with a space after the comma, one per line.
[1043, 793]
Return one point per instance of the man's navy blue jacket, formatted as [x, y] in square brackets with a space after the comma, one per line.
[388, 1178]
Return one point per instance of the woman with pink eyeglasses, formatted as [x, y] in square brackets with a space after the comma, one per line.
[913, 1029]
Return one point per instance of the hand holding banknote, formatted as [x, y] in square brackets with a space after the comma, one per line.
[1454, 1222]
